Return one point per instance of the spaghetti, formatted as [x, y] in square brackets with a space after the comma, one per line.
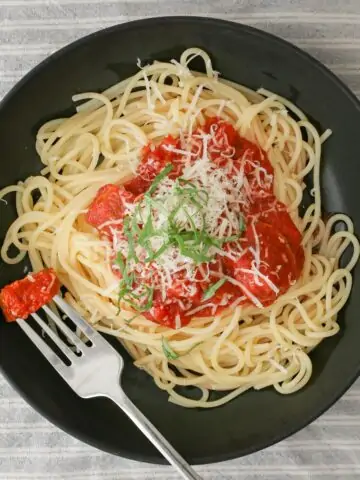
[254, 340]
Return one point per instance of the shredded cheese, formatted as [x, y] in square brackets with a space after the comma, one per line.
[252, 297]
[257, 273]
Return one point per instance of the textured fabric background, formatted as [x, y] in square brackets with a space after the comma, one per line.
[30, 447]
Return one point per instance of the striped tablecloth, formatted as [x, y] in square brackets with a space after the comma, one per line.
[30, 447]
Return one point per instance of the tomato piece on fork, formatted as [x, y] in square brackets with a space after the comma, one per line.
[23, 297]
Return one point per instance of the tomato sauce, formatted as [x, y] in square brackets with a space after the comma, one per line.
[269, 229]
[108, 208]
[26, 296]
[154, 159]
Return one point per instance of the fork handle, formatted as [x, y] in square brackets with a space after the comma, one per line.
[186, 471]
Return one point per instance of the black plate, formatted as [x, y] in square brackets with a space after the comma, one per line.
[245, 55]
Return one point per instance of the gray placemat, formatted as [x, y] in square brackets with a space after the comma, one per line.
[30, 447]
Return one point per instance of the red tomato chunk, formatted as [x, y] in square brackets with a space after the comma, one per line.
[154, 159]
[26, 296]
[108, 207]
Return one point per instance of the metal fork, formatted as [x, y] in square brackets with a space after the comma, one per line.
[96, 373]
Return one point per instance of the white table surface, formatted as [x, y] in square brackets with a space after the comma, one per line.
[32, 448]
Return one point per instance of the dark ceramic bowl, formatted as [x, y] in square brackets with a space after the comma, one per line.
[256, 419]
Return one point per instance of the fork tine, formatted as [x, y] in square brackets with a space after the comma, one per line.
[51, 356]
[85, 327]
[74, 339]
[55, 338]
